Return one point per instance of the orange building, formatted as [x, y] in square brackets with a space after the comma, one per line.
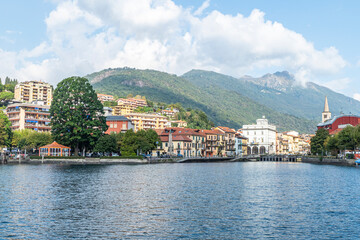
[55, 149]
[118, 124]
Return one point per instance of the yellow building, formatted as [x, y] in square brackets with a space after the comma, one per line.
[147, 121]
[33, 91]
[123, 109]
[292, 143]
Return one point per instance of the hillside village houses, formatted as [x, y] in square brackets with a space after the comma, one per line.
[33, 99]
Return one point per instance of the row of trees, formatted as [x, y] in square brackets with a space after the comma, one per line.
[128, 143]
[347, 139]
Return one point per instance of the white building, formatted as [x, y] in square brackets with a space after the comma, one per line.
[261, 137]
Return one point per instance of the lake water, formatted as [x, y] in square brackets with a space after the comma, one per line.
[172, 201]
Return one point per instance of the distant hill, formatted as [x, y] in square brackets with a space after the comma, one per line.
[280, 91]
[223, 105]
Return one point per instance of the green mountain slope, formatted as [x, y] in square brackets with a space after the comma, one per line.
[280, 92]
[223, 107]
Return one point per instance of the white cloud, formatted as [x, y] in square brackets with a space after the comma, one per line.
[201, 9]
[90, 35]
[338, 84]
[356, 96]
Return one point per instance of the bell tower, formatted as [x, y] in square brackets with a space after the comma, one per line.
[326, 114]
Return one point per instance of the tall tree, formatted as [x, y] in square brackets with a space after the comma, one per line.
[5, 130]
[77, 116]
[317, 142]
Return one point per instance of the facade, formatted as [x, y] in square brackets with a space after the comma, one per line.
[179, 123]
[193, 148]
[123, 109]
[212, 143]
[132, 101]
[173, 145]
[117, 124]
[55, 149]
[29, 116]
[261, 137]
[31, 91]
[240, 145]
[104, 97]
[229, 140]
[147, 121]
[169, 112]
[292, 143]
[338, 123]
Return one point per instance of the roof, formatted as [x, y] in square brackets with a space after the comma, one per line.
[213, 132]
[183, 131]
[116, 118]
[175, 138]
[28, 105]
[331, 121]
[54, 145]
[226, 129]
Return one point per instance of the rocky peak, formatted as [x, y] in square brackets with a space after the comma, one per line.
[280, 81]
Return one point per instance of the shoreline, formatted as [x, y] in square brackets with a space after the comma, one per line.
[100, 161]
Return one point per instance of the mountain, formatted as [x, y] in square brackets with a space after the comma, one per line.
[280, 92]
[223, 105]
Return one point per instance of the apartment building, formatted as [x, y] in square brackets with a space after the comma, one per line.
[117, 124]
[240, 145]
[29, 116]
[213, 143]
[229, 141]
[123, 109]
[104, 97]
[132, 101]
[147, 121]
[31, 91]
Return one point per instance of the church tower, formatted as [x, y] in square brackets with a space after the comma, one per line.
[326, 114]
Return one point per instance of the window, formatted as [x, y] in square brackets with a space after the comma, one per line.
[115, 125]
[166, 144]
[124, 126]
[111, 125]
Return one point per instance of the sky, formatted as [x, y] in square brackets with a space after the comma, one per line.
[50, 40]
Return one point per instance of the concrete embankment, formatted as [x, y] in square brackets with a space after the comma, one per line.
[80, 161]
[332, 161]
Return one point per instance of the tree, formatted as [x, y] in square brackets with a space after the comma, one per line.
[317, 142]
[5, 97]
[346, 138]
[77, 116]
[110, 103]
[106, 144]
[5, 130]
[30, 139]
[331, 144]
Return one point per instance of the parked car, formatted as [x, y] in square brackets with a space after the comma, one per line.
[180, 155]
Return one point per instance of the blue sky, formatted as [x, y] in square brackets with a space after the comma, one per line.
[315, 40]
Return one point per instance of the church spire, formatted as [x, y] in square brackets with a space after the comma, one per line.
[326, 106]
[326, 114]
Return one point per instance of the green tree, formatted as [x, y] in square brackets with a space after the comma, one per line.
[106, 144]
[317, 142]
[331, 144]
[5, 130]
[346, 138]
[76, 114]
[5, 97]
[110, 103]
